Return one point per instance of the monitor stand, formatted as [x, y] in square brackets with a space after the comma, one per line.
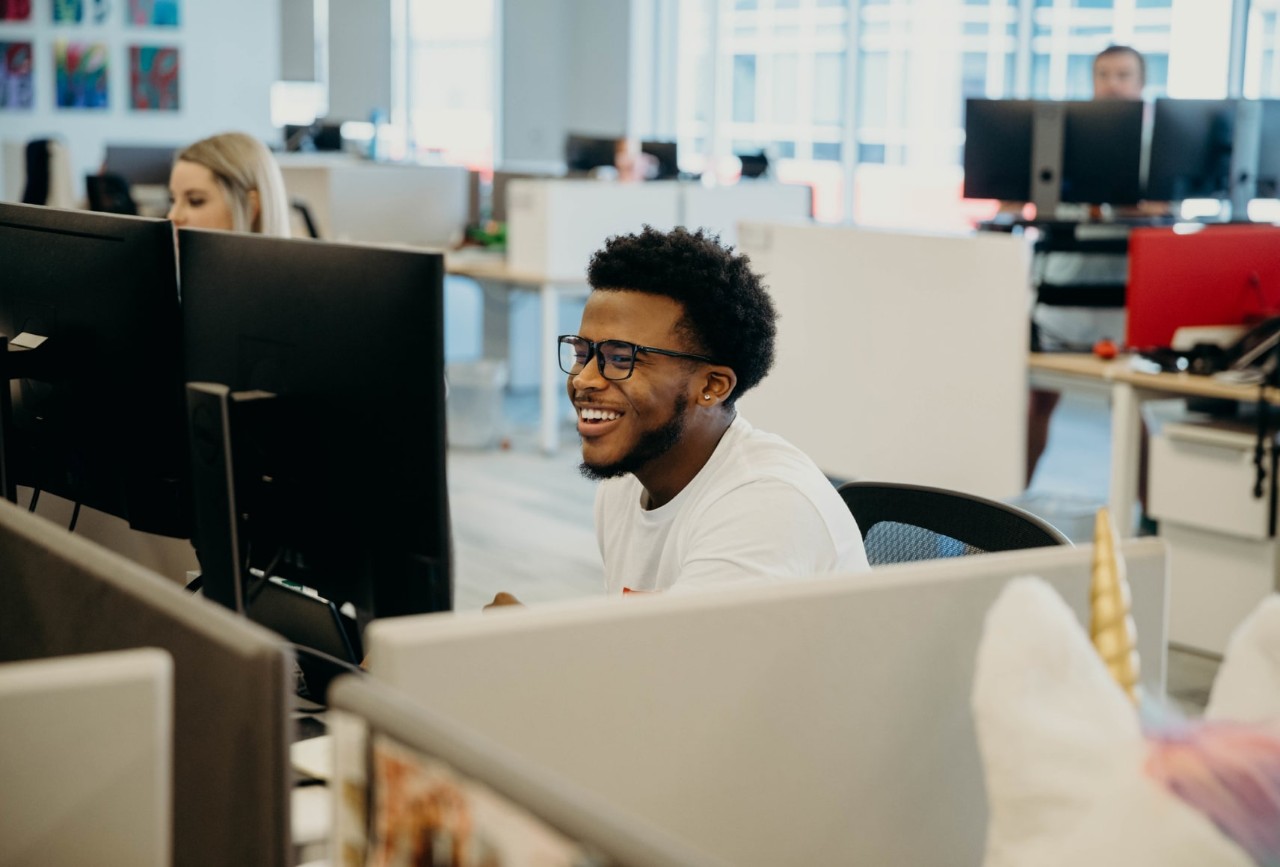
[327, 641]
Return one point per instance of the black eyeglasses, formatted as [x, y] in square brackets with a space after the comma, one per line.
[616, 358]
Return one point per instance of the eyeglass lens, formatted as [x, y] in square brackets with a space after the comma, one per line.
[619, 357]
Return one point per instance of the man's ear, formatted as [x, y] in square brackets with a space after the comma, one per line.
[718, 385]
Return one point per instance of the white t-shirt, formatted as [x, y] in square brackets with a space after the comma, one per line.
[759, 510]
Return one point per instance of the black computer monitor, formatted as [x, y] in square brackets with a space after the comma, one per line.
[140, 164]
[1269, 151]
[318, 452]
[95, 412]
[666, 154]
[582, 153]
[1191, 148]
[1092, 148]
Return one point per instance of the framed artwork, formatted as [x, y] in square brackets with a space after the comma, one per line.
[154, 13]
[16, 88]
[15, 10]
[153, 78]
[68, 11]
[81, 74]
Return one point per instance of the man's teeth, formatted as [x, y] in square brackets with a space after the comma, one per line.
[599, 414]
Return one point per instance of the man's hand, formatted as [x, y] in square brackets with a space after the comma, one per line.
[503, 599]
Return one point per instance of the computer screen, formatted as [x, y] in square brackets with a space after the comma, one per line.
[232, 681]
[667, 156]
[140, 164]
[583, 153]
[1101, 155]
[97, 407]
[1191, 144]
[1269, 151]
[318, 453]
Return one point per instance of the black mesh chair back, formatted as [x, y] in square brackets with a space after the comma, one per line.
[902, 523]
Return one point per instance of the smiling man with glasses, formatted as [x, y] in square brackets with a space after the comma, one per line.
[675, 330]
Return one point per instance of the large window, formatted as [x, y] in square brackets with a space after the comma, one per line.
[450, 91]
[877, 128]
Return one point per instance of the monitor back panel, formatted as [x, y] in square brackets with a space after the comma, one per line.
[1220, 275]
[825, 722]
[233, 681]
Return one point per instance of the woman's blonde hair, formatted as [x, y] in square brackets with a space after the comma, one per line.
[240, 163]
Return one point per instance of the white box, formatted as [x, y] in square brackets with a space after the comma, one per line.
[553, 226]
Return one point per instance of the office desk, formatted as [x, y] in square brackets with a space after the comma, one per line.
[489, 270]
[1128, 388]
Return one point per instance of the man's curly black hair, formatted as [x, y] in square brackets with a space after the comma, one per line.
[728, 314]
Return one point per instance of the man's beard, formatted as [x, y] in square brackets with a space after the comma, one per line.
[652, 445]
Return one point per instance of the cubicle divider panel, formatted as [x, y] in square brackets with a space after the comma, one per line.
[825, 722]
[233, 680]
[901, 356]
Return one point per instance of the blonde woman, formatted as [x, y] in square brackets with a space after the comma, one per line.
[229, 181]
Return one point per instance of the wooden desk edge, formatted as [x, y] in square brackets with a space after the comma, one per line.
[1089, 367]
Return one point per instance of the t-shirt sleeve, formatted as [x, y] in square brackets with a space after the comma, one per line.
[762, 532]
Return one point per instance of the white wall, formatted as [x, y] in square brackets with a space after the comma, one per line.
[230, 54]
[359, 58]
[564, 68]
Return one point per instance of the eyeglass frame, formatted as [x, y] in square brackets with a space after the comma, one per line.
[593, 351]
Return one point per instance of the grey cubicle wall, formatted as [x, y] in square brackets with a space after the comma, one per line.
[233, 681]
[566, 808]
[86, 760]
[825, 722]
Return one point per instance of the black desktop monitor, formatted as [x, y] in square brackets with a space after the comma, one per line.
[318, 454]
[1191, 148]
[95, 412]
[583, 153]
[140, 164]
[1093, 148]
[666, 154]
[1269, 151]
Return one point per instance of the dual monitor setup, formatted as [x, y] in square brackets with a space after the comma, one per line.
[1106, 152]
[261, 397]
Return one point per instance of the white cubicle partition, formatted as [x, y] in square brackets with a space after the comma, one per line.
[381, 203]
[722, 208]
[901, 356]
[554, 225]
[86, 760]
[825, 722]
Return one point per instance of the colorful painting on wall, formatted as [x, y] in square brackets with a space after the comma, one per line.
[153, 78]
[81, 74]
[16, 88]
[154, 13]
[15, 10]
[68, 11]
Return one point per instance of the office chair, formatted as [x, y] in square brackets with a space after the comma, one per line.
[110, 194]
[299, 207]
[902, 523]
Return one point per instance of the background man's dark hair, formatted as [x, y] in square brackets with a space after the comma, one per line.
[728, 313]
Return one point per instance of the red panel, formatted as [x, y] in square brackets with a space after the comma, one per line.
[1219, 275]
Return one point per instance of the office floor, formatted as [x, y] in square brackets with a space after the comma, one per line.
[522, 520]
